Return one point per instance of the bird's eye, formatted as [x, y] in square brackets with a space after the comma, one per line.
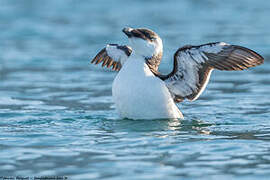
[148, 36]
[152, 38]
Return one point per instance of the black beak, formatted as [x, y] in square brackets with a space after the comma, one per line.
[128, 31]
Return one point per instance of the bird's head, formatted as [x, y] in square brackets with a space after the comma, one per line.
[144, 42]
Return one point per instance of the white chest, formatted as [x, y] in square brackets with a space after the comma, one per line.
[138, 94]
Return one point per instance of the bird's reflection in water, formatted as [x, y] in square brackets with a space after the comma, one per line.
[167, 127]
[189, 126]
[177, 126]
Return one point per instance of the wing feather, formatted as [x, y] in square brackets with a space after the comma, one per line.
[193, 66]
[112, 56]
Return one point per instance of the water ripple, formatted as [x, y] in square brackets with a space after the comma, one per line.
[57, 115]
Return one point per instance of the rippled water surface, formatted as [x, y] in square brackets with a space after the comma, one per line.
[56, 111]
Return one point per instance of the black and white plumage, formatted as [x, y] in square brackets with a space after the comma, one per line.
[113, 56]
[193, 66]
[191, 72]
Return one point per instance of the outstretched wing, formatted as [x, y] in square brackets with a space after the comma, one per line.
[193, 66]
[113, 55]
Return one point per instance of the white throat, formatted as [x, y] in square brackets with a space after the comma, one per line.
[145, 48]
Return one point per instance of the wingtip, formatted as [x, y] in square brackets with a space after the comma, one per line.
[259, 58]
[92, 61]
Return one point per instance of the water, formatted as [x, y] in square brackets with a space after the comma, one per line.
[56, 111]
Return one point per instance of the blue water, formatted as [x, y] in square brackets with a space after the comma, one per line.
[56, 111]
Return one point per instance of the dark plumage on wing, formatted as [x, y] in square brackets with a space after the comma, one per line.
[114, 59]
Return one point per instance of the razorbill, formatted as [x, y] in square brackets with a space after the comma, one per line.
[140, 91]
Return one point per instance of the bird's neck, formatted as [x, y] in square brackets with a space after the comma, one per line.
[154, 61]
[135, 67]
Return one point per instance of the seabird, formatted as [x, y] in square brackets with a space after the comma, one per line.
[140, 91]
